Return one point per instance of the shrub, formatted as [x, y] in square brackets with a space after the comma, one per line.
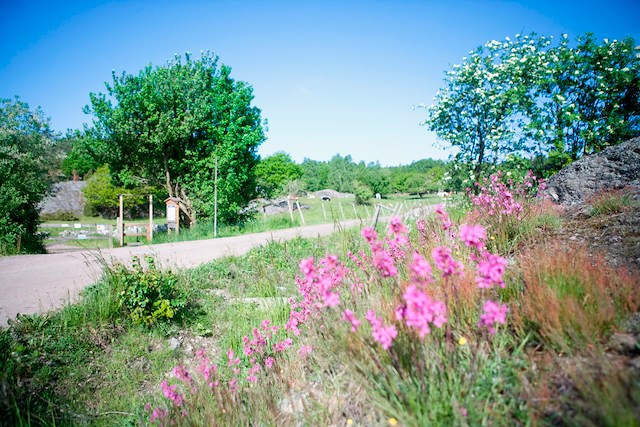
[148, 295]
[362, 192]
[66, 216]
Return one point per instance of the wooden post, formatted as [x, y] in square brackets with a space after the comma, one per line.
[150, 229]
[366, 208]
[110, 229]
[324, 212]
[300, 212]
[177, 219]
[344, 218]
[376, 214]
[121, 220]
[215, 201]
[355, 212]
[290, 209]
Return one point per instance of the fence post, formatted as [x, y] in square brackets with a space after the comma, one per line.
[376, 214]
[121, 220]
[300, 212]
[150, 229]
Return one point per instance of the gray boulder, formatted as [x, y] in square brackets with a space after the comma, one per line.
[64, 197]
[614, 168]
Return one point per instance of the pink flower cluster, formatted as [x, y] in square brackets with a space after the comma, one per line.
[490, 270]
[382, 334]
[420, 310]
[493, 313]
[444, 261]
[495, 198]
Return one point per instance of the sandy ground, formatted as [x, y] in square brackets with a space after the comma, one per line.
[37, 283]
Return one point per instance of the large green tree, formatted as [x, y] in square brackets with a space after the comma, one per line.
[530, 96]
[169, 125]
[274, 171]
[26, 144]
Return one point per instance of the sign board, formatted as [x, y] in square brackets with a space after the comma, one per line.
[171, 213]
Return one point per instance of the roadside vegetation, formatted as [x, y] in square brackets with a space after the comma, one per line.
[453, 319]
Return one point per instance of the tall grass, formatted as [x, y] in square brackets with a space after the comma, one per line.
[571, 298]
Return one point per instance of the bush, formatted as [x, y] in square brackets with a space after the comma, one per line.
[362, 192]
[147, 295]
[66, 216]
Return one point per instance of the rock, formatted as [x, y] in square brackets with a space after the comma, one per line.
[174, 343]
[64, 197]
[635, 363]
[623, 343]
[614, 168]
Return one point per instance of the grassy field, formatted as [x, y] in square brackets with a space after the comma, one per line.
[388, 332]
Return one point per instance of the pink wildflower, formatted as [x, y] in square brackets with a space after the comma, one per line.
[349, 316]
[369, 234]
[282, 345]
[443, 260]
[171, 393]
[158, 414]
[307, 267]
[269, 362]
[304, 350]
[490, 271]
[397, 227]
[473, 236]
[444, 217]
[385, 264]
[382, 334]
[182, 374]
[420, 310]
[420, 268]
[493, 313]
[232, 361]
[331, 299]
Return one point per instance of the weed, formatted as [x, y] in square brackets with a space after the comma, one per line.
[147, 295]
[610, 202]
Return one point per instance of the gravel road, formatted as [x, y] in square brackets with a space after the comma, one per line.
[37, 283]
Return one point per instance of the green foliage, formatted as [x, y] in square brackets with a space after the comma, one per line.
[169, 124]
[80, 156]
[315, 174]
[148, 295]
[274, 172]
[102, 197]
[529, 96]
[25, 147]
[362, 192]
[66, 216]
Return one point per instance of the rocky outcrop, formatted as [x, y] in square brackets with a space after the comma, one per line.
[65, 197]
[614, 168]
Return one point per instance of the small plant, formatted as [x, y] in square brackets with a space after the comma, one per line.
[149, 294]
[610, 202]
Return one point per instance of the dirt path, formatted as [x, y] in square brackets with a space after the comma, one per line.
[37, 283]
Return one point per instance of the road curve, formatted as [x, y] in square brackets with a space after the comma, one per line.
[37, 283]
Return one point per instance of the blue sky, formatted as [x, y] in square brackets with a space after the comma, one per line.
[330, 77]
